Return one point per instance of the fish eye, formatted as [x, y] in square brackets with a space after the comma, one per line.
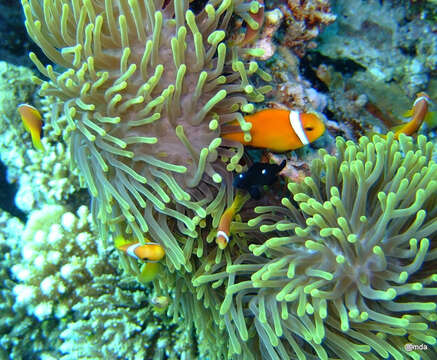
[309, 128]
[264, 171]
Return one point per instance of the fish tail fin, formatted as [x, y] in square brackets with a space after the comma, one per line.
[241, 198]
[36, 140]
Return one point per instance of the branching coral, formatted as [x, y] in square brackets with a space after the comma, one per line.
[304, 20]
[22, 336]
[66, 279]
[27, 166]
[344, 268]
[148, 85]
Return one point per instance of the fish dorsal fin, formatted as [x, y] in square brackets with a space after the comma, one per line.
[296, 125]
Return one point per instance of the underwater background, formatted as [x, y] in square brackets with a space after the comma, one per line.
[335, 258]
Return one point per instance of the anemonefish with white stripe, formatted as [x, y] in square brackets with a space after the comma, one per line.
[280, 130]
[149, 252]
[32, 121]
[418, 113]
[224, 228]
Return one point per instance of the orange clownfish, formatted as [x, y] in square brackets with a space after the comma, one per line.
[418, 113]
[150, 252]
[32, 121]
[280, 130]
[224, 228]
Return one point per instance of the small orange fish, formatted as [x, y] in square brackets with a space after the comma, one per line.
[224, 228]
[32, 122]
[280, 130]
[150, 251]
[418, 113]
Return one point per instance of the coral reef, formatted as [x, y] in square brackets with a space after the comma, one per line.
[344, 263]
[142, 95]
[42, 177]
[303, 22]
[22, 336]
[386, 51]
[70, 292]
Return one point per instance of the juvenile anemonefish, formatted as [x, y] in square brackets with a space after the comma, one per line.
[224, 228]
[280, 130]
[32, 122]
[418, 113]
[150, 251]
[258, 174]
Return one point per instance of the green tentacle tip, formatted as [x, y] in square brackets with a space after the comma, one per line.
[248, 89]
[247, 138]
[254, 7]
[301, 232]
[255, 52]
[390, 294]
[248, 108]
[340, 259]
[213, 124]
[353, 313]
[215, 37]
[217, 178]
[403, 277]
[246, 126]
[352, 238]
[378, 251]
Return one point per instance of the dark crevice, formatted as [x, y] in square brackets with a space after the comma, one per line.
[15, 43]
[7, 196]
[311, 61]
[77, 199]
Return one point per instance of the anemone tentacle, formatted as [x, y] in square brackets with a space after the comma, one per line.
[145, 86]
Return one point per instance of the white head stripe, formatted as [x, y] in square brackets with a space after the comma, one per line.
[222, 233]
[296, 124]
[131, 250]
[426, 98]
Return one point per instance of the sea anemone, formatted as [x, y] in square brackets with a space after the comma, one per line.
[344, 267]
[146, 88]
